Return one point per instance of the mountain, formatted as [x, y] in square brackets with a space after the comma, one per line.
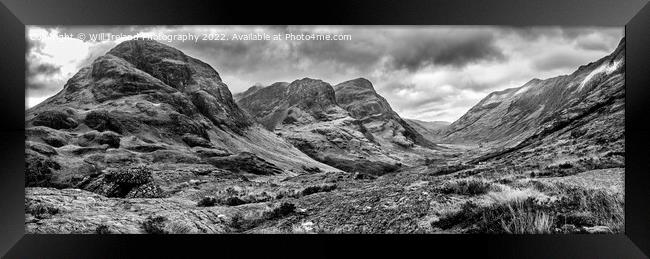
[149, 140]
[146, 102]
[579, 117]
[513, 115]
[345, 126]
[428, 129]
[359, 97]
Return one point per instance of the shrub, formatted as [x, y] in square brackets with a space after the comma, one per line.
[607, 209]
[102, 230]
[289, 120]
[319, 188]
[155, 225]
[525, 220]
[311, 169]
[54, 119]
[466, 187]
[180, 228]
[102, 120]
[450, 169]
[112, 139]
[515, 216]
[133, 176]
[465, 217]
[233, 201]
[578, 133]
[207, 201]
[237, 221]
[362, 176]
[283, 210]
[565, 165]
[147, 190]
[125, 180]
[430, 161]
[288, 194]
[41, 211]
[55, 141]
[38, 169]
[579, 207]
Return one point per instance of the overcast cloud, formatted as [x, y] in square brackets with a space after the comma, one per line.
[425, 72]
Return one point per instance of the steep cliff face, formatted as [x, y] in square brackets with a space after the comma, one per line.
[145, 102]
[302, 101]
[305, 113]
[362, 133]
[508, 117]
[359, 97]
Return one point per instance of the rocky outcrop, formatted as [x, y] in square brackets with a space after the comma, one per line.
[359, 97]
[302, 101]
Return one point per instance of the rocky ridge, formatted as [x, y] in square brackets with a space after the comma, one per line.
[348, 126]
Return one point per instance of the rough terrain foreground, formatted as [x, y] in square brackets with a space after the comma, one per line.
[149, 140]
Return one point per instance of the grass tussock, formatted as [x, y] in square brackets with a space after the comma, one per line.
[155, 225]
[593, 207]
[467, 187]
[240, 222]
[103, 230]
[528, 211]
[449, 169]
[515, 217]
[523, 220]
[41, 211]
[232, 196]
[318, 188]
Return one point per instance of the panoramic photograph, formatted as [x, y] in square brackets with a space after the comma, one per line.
[324, 130]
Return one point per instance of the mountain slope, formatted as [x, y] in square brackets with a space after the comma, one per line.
[559, 126]
[145, 102]
[428, 129]
[511, 116]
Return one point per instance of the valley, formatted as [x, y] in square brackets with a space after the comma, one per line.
[149, 140]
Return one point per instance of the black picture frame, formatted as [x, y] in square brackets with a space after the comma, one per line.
[633, 14]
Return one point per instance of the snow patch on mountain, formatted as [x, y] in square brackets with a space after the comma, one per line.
[604, 68]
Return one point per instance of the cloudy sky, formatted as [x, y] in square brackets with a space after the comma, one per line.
[425, 72]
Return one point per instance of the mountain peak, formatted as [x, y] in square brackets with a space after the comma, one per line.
[164, 62]
[148, 44]
[360, 83]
